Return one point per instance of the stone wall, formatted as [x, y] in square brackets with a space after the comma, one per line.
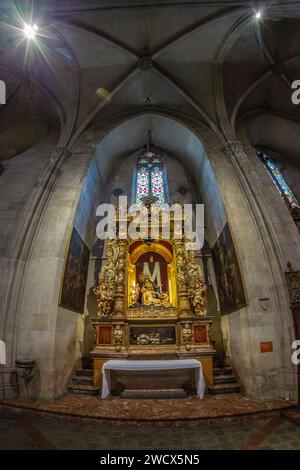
[17, 184]
[51, 334]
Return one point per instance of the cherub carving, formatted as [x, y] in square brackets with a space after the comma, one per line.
[105, 292]
[198, 296]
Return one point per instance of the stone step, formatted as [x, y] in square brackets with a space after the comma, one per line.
[82, 380]
[220, 389]
[83, 389]
[222, 370]
[225, 378]
[163, 393]
[86, 363]
[85, 372]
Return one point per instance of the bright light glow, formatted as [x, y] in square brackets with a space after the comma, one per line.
[30, 30]
[258, 15]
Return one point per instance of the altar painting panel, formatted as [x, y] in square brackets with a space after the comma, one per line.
[231, 290]
[148, 335]
[74, 279]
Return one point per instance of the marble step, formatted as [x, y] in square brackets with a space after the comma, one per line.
[82, 380]
[86, 363]
[224, 379]
[163, 393]
[83, 389]
[220, 389]
[222, 371]
[85, 372]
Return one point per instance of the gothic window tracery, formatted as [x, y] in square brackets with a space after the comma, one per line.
[150, 179]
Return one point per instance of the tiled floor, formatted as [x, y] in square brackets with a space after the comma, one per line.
[19, 431]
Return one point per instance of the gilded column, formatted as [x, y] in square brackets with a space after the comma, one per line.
[106, 288]
[196, 287]
[122, 248]
[183, 300]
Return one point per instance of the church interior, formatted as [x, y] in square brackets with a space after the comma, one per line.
[181, 111]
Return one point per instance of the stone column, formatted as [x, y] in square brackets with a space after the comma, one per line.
[253, 191]
[265, 234]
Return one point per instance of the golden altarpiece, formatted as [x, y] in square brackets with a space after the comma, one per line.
[152, 303]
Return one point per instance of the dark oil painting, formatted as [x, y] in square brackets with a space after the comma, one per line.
[152, 335]
[75, 274]
[229, 280]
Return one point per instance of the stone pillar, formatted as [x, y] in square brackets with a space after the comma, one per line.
[263, 274]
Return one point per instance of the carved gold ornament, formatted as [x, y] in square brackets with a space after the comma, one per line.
[118, 336]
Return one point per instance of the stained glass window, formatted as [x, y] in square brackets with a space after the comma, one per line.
[150, 178]
[142, 184]
[279, 181]
[157, 184]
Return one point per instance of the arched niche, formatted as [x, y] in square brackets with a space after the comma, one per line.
[119, 147]
[81, 187]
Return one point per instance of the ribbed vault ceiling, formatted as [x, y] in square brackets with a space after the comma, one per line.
[208, 60]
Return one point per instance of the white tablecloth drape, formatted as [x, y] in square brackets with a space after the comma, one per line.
[2, 353]
[115, 364]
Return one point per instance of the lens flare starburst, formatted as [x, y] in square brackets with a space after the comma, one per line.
[30, 30]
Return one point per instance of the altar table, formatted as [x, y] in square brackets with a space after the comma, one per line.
[131, 365]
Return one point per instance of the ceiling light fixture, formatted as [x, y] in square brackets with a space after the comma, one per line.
[30, 30]
[258, 15]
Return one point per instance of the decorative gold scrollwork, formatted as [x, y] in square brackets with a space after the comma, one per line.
[105, 292]
[106, 289]
[152, 312]
[186, 334]
[118, 336]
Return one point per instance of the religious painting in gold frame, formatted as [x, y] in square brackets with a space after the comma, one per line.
[232, 295]
[158, 253]
[152, 335]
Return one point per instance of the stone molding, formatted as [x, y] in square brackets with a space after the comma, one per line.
[234, 147]
[58, 152]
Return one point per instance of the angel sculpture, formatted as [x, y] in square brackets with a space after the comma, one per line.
[198, 296]
[105, 293]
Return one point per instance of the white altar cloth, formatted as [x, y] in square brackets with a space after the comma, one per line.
[2, 353]
[141, 365]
